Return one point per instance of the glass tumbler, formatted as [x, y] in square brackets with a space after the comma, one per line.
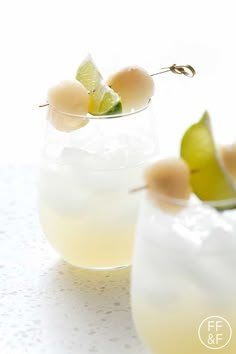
[85, 208]
[183, 277]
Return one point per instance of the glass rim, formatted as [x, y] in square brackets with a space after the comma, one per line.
[105, 116]
[218, 204]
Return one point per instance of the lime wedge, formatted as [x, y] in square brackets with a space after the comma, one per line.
[209, 179]
[102, 99]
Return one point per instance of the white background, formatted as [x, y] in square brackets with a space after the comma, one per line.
[43, 42]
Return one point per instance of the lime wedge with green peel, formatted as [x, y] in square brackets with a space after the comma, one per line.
[102, 99]
[209, 179]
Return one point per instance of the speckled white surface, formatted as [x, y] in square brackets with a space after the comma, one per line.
[47, 306]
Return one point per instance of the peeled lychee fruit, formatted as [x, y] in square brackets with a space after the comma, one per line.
[134, 85]
[168, 183]
[228, 155]
[68, 105]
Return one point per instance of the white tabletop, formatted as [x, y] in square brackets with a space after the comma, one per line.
[47, 306]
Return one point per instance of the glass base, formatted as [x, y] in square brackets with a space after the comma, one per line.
[107, 268]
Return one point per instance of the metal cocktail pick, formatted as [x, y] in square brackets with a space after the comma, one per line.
[186, 70]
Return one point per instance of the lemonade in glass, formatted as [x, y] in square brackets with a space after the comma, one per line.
[85, 208]
[183, 277]
[96, 146]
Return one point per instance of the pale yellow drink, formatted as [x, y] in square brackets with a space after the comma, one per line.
[85, 208]
[88, 215]
[183, 280]
[84, 243]
[176, 331]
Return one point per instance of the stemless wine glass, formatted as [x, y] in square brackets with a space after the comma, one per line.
[183, 281]
[85, 209]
